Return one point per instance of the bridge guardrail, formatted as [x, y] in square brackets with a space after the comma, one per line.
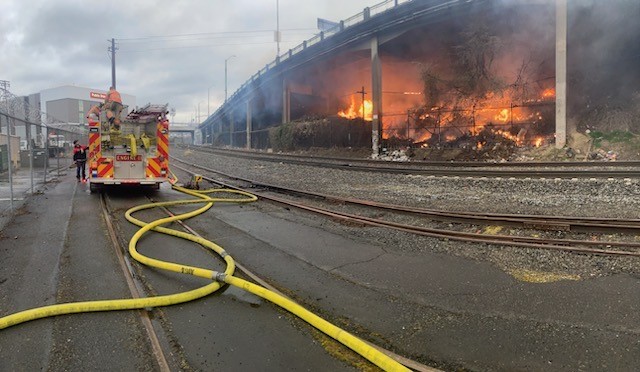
[343, 25]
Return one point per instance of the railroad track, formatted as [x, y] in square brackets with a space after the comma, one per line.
[560, 223]
[441, 168]
[155, 331]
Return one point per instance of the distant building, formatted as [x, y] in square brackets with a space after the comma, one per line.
[64, 107]
[69, 104]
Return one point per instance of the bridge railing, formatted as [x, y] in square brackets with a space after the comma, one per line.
[342, 25]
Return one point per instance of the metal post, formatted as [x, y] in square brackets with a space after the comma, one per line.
[362, 93]
[278, 27]
[561, 73]
[511, 115]
[225, 77]
[27, 126]
[58, 155]
[408, 125]
[473, 118]
[46, 152]
[113, 62]
[10, 161]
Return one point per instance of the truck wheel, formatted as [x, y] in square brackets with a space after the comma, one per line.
[94, 187]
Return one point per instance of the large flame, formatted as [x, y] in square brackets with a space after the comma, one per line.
[355, 110]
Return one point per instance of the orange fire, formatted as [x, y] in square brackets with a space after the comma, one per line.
[355, 110]
[503, 116]
[538, 141]
[549, 93]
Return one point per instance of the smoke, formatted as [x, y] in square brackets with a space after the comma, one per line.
[603, 53]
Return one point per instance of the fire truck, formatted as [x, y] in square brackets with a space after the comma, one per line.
[136, 153]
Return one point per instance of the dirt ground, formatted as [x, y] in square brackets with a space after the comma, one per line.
[580, 147]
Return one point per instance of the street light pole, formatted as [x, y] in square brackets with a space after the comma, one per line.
[208, 100]
[278, 28]
[225, 77]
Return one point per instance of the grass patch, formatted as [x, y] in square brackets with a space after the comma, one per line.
[611, 137]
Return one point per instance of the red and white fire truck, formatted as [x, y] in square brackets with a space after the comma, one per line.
[136, 153]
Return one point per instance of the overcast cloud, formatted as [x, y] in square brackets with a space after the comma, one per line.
[44, 44]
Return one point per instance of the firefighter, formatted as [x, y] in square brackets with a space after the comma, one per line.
[113, 105]
[80, 157]
[95, 111]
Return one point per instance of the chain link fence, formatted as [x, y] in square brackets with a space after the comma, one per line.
[35, 149]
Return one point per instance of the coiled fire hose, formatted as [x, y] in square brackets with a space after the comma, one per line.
[378, 358]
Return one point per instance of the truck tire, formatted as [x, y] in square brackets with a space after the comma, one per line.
[94, 187]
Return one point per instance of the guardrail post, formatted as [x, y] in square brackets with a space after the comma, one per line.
[304, 44]
[341, 25]
[366, 13]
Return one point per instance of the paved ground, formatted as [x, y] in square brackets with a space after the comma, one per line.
[450, 312]
[24, 182]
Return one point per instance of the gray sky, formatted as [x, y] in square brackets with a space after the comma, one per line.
[48, 43]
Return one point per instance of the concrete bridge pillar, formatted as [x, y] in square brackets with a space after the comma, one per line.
[376, 96]
[249, 125]
[231, 129]
[286, 102]
[561, 73]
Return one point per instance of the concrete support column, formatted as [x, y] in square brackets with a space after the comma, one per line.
[561, 73]
[249, 125]
[376, 96]
[231, 129]
[286, 102]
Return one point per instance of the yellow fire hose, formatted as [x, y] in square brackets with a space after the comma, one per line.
[378, 358]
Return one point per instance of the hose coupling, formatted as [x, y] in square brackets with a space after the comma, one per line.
[220, 277]
[224, 254]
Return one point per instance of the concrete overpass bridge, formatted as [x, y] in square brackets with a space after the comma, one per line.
[351, 62]
[182, 133]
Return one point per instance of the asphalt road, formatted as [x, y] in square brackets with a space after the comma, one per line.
[449, 312]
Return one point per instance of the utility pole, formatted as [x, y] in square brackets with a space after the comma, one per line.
[113, 49]
[4, 96]
[225, 77]
[362, 92]
[278, 28]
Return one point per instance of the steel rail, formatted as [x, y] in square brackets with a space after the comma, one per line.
[404, 168]
[540, 222]
[414, 365]
[518, 241]
[135, 287]
[424, 163]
